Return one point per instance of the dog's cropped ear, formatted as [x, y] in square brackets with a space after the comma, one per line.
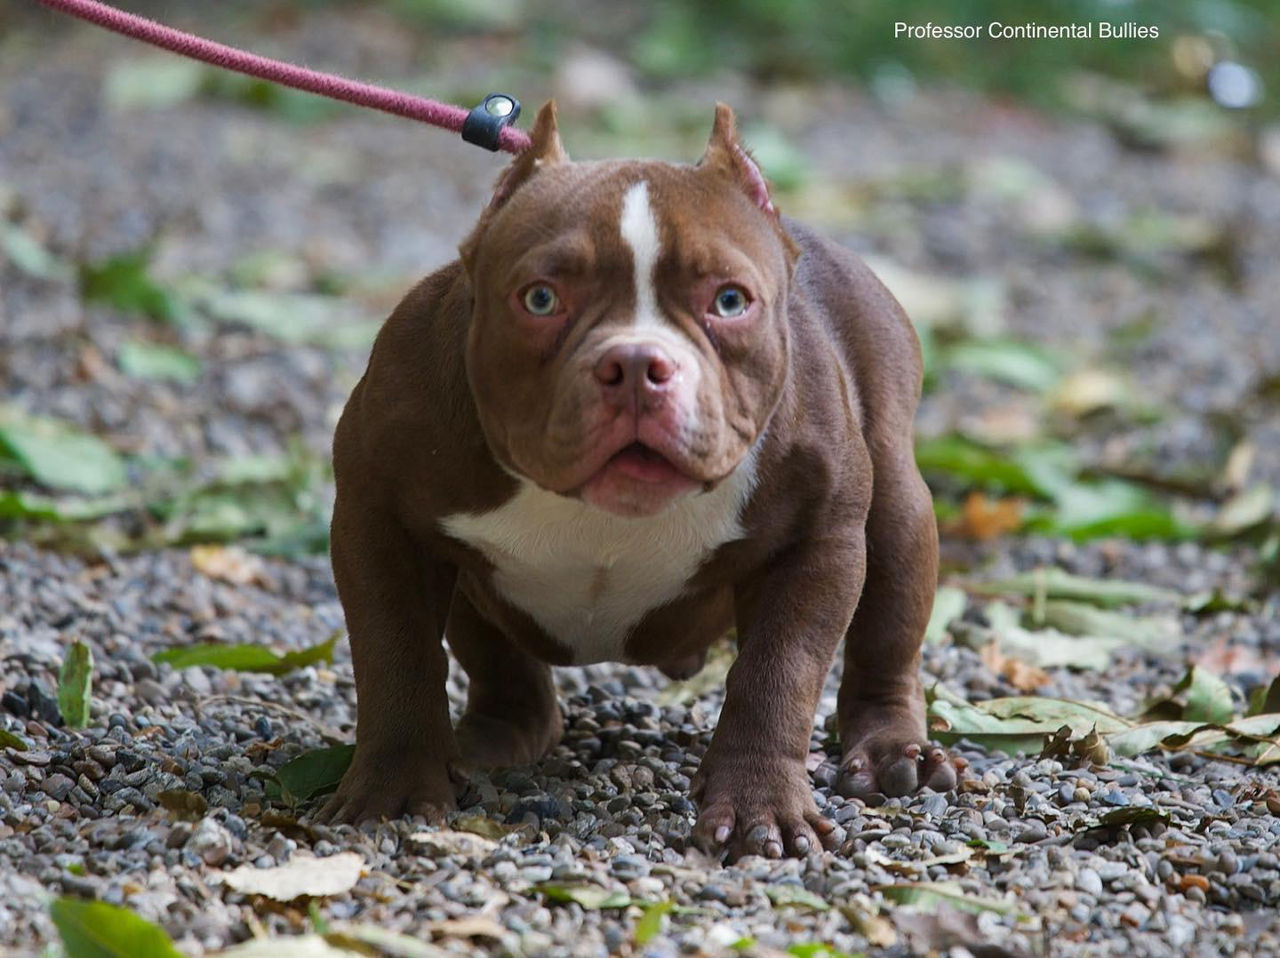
[545, 150]
[726, 154]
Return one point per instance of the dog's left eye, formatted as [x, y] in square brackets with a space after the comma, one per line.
[541, 300]
[730, 301]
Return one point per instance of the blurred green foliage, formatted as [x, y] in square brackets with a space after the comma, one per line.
[805, 39]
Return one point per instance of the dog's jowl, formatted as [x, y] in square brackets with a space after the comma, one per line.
[641, 408]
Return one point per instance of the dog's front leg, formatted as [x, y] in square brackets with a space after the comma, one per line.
[396, 600]
[753, 787]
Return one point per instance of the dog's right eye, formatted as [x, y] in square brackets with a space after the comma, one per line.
[541, 300]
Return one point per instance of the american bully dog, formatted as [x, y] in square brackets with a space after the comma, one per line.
[641, 408]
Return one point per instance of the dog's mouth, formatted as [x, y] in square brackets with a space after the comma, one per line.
[637, 480]
[644, 464]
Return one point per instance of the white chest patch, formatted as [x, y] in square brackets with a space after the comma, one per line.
[587, 577]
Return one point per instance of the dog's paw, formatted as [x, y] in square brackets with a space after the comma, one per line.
[755, 811]
[488, 741]
[390, 789]
[891, 766]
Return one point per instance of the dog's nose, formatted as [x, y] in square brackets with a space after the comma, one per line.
[635, 369]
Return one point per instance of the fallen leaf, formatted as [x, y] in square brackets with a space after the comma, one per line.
[871, 925]
[590, 897]
[1199, 696]
[481, 825]
[143, 360]
[1187, 882]
[1086, 391]
[59, 456]
[247, 658]
[1008, 361]
[370, 939]
[95, 929]
[1022, 676]
[303, 875]
[797, 896]
[444, 842]
[229, 564]
[75, 685]
[931, 896]
[650, 922]
[948, 605]
[313, 773]
[296, 946]
[1050, 582]
[983, 518]
[468, 926]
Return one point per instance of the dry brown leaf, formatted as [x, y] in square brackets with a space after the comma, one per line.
[1023, 677]
[302, 875]
[982, 518]
[444, 842]
[469, 926]
[230, 564]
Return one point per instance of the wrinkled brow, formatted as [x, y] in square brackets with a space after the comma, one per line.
[571, 255]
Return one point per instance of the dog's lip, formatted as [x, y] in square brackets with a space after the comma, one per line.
[643, 463]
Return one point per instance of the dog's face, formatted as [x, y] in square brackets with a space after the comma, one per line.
[628, 338]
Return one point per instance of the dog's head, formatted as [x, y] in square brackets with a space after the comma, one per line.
[628, 338]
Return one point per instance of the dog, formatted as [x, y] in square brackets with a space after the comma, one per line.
[640, 409]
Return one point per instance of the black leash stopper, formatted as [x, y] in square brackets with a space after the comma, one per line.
[483, 125]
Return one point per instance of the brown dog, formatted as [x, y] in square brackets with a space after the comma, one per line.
[640, 409]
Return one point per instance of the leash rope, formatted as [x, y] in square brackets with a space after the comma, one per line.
[487, 125]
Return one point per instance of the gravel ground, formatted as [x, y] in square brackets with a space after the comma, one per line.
[79, 813]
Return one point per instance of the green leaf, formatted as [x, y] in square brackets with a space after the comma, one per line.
[796, 896]
[1200, 696]
[948, 605]
[124, 282]
[143, 360]
[1054, 583]
[75, 682]
[957, 458]
[817, 950]
[294, 317]
[11, 740]
[56, 455]
[1008, 361]
[26, 505]
[590, 897]
[1014, 725]
[247, 658]
[94, 929]
[30, 256]
[930, 896]
[152, 82]
[316, 772]
[1265, 701]
[650, 921]
[1081, 618]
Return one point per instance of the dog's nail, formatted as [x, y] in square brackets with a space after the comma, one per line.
[802, 845]
[912, 751]
[722, 834]
[772, 849]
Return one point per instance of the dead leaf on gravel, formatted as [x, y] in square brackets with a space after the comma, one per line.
[372, 940]
[866, 920]
[481, 825]
[983, 518]
[1022, 676]
[230, 564]
[465, 844]
[469, 926]
[300, 946]
[301, 876]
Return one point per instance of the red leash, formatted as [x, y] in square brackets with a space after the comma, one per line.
[487, 125]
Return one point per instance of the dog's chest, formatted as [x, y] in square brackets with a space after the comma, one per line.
[588, 577]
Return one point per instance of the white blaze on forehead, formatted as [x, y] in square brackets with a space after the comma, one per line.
[639, 227]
